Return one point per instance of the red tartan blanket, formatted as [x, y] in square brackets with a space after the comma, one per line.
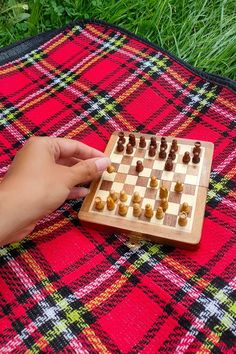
[70, 289]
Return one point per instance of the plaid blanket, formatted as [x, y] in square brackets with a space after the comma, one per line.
[70, 289]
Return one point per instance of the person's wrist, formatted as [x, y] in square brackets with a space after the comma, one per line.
[8, 211]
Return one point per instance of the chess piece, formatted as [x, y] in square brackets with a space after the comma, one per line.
[174, 145]
[153, 141]
[139, 166]
[152, 151]
[164, 204]
[99, 203]
[163, 192]
[172, 155]
[163, 142]
[185, 208]
[196, 158]
[110, 203]
[123, 196]
[132, 140]
[169, 165]
[159, 213]
[136, 198]
[153, 182]
[122, 209]
[186, 157]
[129, 149]
[182, 220]
[137, 211]
[179, 187]
[121, 136]
[142, 142]
[120, 146]
[148, 211]
[110, 169]
[162, 153]
[197, 147]
[113, 195]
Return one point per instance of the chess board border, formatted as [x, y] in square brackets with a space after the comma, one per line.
[143, 230]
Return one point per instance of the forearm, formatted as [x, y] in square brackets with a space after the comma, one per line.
[11, 222]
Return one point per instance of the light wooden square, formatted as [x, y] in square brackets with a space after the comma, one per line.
[173, 208]
[167, 175]
[159, 165]
[146, 172]
[141, 190]
[187, 198]
[117, 158]
[131, 179]
[123, 168]
[117, 187]
[109, 176]
[181, 168]
[191, 179]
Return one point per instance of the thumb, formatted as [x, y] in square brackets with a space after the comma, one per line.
[87, 170]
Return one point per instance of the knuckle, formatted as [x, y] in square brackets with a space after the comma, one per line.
[89, 169]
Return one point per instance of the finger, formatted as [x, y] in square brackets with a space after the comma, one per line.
[87, 170]
[69, 161]
[78, 192]
[72, 148]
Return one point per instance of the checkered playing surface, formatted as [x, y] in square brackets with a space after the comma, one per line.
[126, 178]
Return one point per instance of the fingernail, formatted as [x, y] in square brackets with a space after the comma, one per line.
[102, 163]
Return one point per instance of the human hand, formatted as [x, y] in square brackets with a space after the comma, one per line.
[43, 174]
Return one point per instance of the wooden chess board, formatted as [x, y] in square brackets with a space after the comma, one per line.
[195, 178]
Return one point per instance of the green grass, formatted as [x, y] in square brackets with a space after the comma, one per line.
[201, 32]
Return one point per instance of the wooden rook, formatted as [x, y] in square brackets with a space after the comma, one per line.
[142, 142]
[197, 147]
[153, 141]
[121, 136]
[129, 149]
[196, 158]
[132, 139]
[163, 142]
[162, 153]
[120, 147]
[186, 157]
[169, 165]
[174, 145]
[152, 151]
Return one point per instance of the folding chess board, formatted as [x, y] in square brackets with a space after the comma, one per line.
[195, 179]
